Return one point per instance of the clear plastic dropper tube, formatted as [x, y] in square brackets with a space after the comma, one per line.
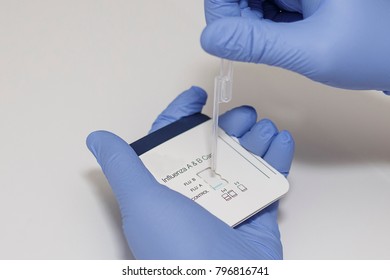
[223, 87]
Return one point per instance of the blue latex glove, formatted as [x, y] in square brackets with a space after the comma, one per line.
[342, 43]
[162, 224]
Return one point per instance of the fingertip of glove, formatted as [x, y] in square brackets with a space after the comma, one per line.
[213, 37]
[200, 93]
[281, 152]
[286, 138]
[95, 138]
[244, 111]
[198, 90]
[265, 128]
[190, 96]
[286, 143]
[205, 39]
[190, 101]
[238, 120]
[220, 37]
[91, 138]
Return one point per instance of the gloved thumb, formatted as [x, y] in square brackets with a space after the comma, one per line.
[258, 41]
[158, 222]
[126, 174]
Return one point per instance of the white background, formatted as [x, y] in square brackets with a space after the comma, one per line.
[68, 68]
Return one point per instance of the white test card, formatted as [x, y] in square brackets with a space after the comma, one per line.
[179, 156]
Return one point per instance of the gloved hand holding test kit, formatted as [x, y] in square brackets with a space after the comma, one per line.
[160, 197]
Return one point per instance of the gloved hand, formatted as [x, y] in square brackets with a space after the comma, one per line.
[342, 43]
[162, 224]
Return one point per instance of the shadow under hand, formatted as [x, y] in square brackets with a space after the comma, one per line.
[329, 125]
[103, 193]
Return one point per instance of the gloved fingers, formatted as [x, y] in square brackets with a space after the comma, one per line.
[187, 103]
[259, 137]
[125, 172]
[158, 222]
[281, 152]
[259, 41]
[264, 225]
[217, 9]
[238, 121]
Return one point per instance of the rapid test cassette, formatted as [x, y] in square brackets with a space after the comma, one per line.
[179, 157]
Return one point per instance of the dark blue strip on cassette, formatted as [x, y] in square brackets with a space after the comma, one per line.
[165, 133]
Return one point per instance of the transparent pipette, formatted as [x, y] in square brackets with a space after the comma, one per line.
[223, 86]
